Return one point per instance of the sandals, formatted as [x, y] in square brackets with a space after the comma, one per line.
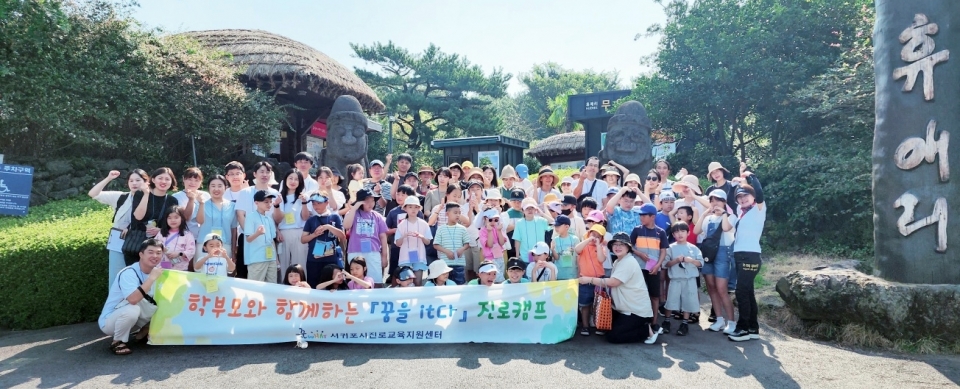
[120, 348]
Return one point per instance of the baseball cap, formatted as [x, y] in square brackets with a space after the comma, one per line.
[667, 196]
[744, 191]
[648, 209]
[408, 175]
[720, 193]
[517, 194]
[212, 236]
[473, 183]
[561, 220]
[540, 248]
[405, 273]
[554, 206]
[596, 215]
[566, 180]
[569, 200]
[514, 264]
[262, 195]
[317, 198]
[598, 229]
[363, 194]
[522, 171]
[612, 191]
[467, 165]
[376, 162]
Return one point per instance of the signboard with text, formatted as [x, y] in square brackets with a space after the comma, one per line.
[16, 182]
[196, 309]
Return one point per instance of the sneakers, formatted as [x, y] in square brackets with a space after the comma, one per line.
[731, 328]
[665, 327]
[683, 330]
[653, 338]
[584, 331]
[601, 333]
[663, 310]
[744, 335]
[718, 325]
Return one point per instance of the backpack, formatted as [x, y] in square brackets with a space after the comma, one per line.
[711, 244]
[586, 194]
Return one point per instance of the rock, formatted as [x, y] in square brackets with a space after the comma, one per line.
[42, 187]
[895, 310]
[57, 167]
[82, 181]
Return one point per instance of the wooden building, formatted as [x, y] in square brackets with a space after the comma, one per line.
[498, 149]
[302, 79]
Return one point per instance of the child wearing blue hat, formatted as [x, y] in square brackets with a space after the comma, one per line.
[650, 245]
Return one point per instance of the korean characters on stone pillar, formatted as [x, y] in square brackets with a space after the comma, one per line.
[918, 52]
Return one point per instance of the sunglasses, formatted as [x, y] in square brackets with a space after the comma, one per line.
[652, 178]
[495, 220]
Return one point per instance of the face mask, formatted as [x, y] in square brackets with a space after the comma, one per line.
[566, 212]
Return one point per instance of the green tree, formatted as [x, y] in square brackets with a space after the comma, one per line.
[558, 118]
[82, 79]
[548, 81]
[726, 69]
[433, 94]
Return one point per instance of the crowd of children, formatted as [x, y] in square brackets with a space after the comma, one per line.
[464, 225]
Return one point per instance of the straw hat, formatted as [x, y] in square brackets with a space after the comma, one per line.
[546, 171]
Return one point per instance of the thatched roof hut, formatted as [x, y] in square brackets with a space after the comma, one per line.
[285, 66]
[564, 147]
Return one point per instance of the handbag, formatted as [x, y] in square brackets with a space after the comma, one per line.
[603, 309]
[711, 244]
[131, 245]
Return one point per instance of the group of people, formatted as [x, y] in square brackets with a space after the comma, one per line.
[639, 239]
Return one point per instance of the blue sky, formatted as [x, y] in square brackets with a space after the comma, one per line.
[512, 35]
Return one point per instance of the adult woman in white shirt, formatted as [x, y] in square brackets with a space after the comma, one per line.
[122, 204]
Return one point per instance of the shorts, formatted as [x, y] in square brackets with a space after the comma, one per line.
[722, 266]
[586, 294]
[416, 266]
[653, 283]
[683, 295]
[374, 265]
[473, 256]
[263, 271]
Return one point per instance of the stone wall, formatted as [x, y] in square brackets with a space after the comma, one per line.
[57, 179]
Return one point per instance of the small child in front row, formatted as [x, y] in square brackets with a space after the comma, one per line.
[295, 276]
[562, 249]
[515, 272]
[541, 269]
[492, 239]
[413, 234]
[216, 262]
[358, 275]
[683, 268]
[179, 242]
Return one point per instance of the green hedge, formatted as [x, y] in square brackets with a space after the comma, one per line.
[53, 264]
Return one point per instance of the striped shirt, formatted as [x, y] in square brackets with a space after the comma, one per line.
[451, 238]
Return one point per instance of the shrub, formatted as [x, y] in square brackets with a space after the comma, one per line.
[53, 264]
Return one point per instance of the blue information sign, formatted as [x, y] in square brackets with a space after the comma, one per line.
[16, 183]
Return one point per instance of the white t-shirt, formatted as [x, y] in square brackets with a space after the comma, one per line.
[121, 218]
[291, 213]
[726, 239]
[215, 266]
[533, 273]
[631, 297]
[125, 284]
[182, 199]
[599, 192]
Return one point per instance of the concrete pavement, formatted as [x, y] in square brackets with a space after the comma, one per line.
[77, 356]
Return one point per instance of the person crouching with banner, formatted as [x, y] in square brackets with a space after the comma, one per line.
[129, 304]
[632, 312]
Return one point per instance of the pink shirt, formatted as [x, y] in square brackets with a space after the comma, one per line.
[353, 285]
[491, 252]
[412, 250]
[185, 244]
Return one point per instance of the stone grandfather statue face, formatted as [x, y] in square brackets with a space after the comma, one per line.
[628, 135]
[347, 130]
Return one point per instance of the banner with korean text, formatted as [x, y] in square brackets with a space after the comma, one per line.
[195, 309]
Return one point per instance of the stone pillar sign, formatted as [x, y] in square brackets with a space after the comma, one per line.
[916, 205]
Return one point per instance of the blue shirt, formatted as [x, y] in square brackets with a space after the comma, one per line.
[622, 221]
[223, 220]
[257, 250]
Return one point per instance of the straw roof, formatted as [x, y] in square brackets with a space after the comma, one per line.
[570, 143]
[276, 62]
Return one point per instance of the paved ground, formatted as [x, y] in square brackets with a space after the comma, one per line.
[77, 356]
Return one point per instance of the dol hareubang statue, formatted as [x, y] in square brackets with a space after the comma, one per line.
[346, 135]
[628, 138]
